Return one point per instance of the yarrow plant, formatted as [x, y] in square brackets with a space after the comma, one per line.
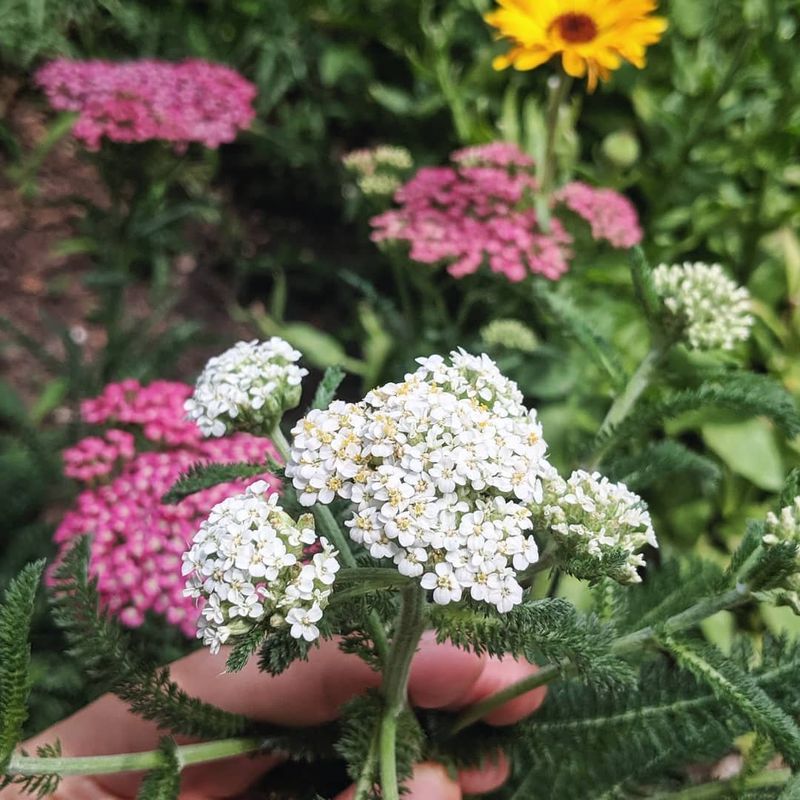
[433, 506]
[441, 469]
[710, 309]
[137, 540]
[249, 386]
[599, 526]
[251, 563]
[139, 101]
[481, 211]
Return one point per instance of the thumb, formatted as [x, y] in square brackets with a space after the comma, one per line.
[429, 782]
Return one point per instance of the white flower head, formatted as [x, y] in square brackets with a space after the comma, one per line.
[713, 311]
[784, 526]
[252, 565]
[441, 469]
[594, 522]
[248, 387]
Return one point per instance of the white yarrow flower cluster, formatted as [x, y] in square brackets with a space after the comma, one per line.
[713, 310]
[252, 565]
[784, 527]
[590, 518]
[441, 469]
[248, 387]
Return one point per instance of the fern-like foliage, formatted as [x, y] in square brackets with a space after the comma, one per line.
[327, 387]
[669, 589]
[203, 476]
[571, 321]
[639, 738]
[102, 648]
[164, 782]
[15, 680]
[360, 724]
[745, 393]
[737, 688]
[644, 286]
[541, 631]
[659, 460]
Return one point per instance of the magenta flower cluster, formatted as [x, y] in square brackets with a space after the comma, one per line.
[480, 211]
[136, 101]
[611, 215]
[137, 542]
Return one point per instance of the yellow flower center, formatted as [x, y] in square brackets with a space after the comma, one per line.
[576, 28]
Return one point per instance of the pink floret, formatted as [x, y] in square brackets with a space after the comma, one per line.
[138, 101]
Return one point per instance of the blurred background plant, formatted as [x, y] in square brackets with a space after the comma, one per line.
[152, 252]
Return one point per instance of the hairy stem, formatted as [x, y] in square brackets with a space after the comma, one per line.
[409, 628]
[330, 527]
[128, 762]
[634, 389]
[366, 779]
[622, 646]
[730, 788]
[547, 170]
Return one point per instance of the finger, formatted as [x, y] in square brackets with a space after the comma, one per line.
[429, 782]
[491, 775]
[499, 674]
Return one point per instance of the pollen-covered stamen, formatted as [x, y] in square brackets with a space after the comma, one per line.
[576, 28]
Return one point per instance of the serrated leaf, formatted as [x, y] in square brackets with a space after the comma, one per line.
[15, 679]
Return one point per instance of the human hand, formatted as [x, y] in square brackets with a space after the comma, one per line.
[308, 693]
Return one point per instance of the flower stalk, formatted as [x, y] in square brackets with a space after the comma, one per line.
[410, 624]
[186, 755]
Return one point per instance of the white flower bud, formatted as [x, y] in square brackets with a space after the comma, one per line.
[712, 310]
[590, 518]
[247, 388]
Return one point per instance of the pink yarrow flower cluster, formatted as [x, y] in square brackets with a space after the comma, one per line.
[480, 211]
[137, 542]
[611, 215]
[136, 101]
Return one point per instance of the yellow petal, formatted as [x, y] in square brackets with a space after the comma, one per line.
[573, 64]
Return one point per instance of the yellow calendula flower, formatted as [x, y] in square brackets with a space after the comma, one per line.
[592, 36]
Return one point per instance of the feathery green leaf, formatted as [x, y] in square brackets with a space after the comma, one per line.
[327, 387]
[15, 679]
[164, 782]
[203, 476]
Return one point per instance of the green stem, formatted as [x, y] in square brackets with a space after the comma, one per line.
[547, 167]
[634, 389]
[409, 628]
[128, 762]
[730, 788]
[366, 778]
[330, 527]
[624, 645]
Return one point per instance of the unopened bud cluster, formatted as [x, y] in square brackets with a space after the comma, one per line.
[379, 171]
[594, 521]
[510, 334]
[712, 310]
[252, 565]
[442, 469]
[248, 387]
